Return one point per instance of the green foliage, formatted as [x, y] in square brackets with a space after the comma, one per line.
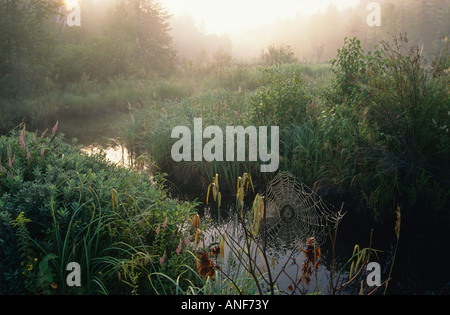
[150, 127]
[350, 68]
[25, 42]
[282, 97]
[40, 61]
[377, 131]
[59, 206]
[278, 55]
[399, 113]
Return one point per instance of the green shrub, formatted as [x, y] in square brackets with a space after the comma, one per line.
[282, 97]
[398, 108]
[59, 206]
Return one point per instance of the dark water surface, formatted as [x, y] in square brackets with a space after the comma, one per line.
[421, 265]
[422, 262]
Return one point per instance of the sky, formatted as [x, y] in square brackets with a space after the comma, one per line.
[234, 16]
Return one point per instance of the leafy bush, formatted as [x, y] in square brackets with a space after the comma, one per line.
[59, 206]
[282, 97]
[278, 55]
[399, 110]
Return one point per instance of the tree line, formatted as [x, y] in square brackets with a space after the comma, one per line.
[39, 52]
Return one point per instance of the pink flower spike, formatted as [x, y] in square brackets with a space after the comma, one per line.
[179, 247]
[55, 128]
[161, 260]
[22, 138]
[186, 241]
[164, 224]
[43, 149]
[28, 155]
[158, 230]
[22, 143]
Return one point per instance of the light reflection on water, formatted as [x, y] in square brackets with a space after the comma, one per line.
[407, 277]
[115, 153]
[286, 260]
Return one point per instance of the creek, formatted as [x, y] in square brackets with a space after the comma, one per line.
[421, 262]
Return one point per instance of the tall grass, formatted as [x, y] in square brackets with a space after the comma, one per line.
[349, 125]
[230, 99]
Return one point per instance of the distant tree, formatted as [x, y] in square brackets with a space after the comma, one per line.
[278, 55]
[141, 28]
[221, 59]
[192, 41]
[26, 45]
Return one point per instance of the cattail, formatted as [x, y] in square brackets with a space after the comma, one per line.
[196, 223]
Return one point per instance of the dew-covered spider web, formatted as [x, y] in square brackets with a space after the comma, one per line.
[295, 213]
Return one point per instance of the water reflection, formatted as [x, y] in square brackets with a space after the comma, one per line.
[285, 258]
[408, 275]
[115, 153]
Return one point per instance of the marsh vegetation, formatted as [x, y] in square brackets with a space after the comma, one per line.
[364, 120]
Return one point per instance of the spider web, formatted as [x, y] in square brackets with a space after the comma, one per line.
[295, 213]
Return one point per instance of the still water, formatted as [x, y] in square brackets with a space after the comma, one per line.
[115, 153]
[421, 265]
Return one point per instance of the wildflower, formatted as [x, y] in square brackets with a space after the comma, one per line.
[161, 260]
[312, 251]
[28, 155]
[10, 163]
[54, 285]
[43, 149]
[186, 241]
[22, 138]
[43, 134]
[216, 250]
[158, 229]
[312, 254]
[179, 247]
[55, 128]
[206, 267]
[164, 224]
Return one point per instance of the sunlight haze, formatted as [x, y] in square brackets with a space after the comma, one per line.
[234, 16]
